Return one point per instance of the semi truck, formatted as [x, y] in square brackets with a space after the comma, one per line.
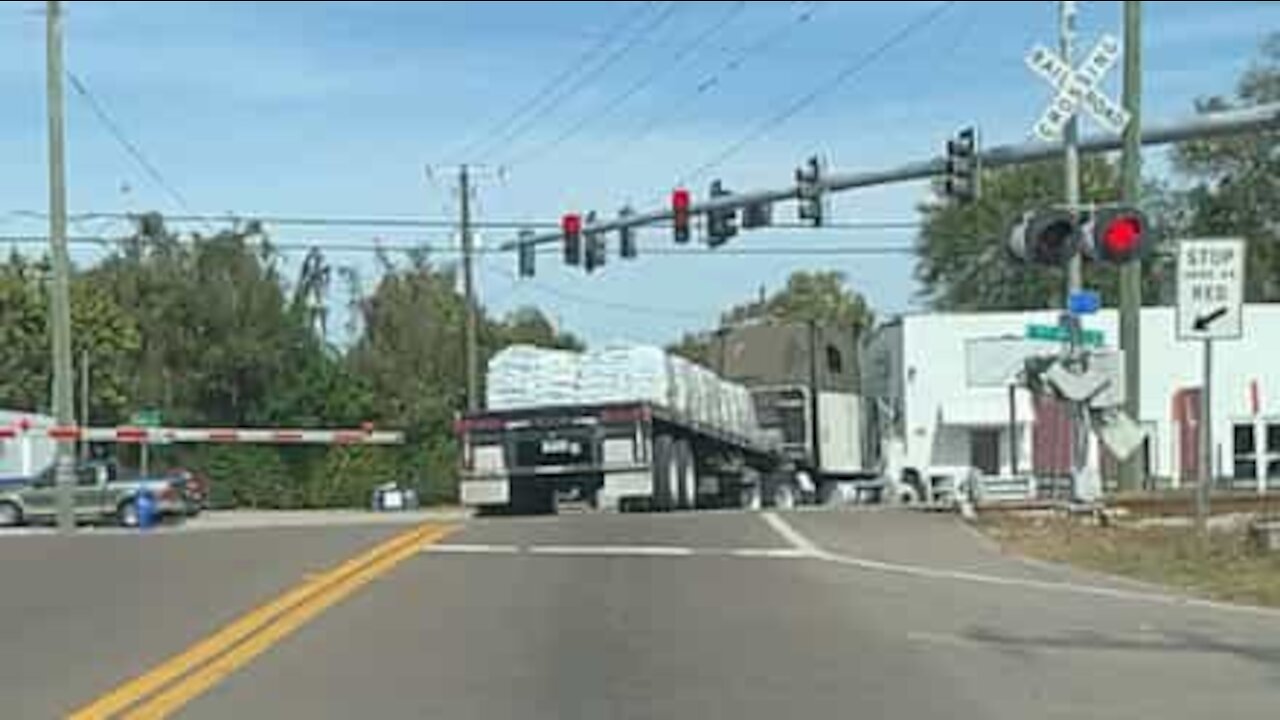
[806, 439]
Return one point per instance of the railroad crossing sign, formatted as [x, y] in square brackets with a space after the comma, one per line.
[1077, 87]
[1210, 289]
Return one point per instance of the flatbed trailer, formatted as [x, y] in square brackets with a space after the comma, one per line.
[615, 456]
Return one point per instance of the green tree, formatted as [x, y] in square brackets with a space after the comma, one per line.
[1236, 189]
[100, 329]
[528, 326]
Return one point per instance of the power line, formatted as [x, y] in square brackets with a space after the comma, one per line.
[577, 64]
[753, 49]
[664, 65]
[432, 223]
[656, 21]
[130, 147]
[842, 76]
[593, 302]
[453, 249]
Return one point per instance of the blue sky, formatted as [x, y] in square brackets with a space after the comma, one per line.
[336, 109]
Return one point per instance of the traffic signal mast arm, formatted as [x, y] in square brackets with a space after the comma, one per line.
[1201, 126]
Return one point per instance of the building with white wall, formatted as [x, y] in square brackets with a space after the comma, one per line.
[932, 377]
[25, 449]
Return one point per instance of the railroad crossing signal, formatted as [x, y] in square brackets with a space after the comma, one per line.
[964, 169]
[1112, 234]
[680, 202]
[1078, 87]
[1116, 235]
[808, 177]
[721, 224]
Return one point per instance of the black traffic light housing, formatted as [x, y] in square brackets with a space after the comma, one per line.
[627, 249]
[809, 192]
[571, 237]
[527, 254]
[1111, 234]
[963, 179]
[721, 224]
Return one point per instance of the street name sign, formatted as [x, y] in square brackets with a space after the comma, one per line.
[1210, 288]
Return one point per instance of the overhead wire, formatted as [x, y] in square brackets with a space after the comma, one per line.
[843, 75]
[130, 147]
[577, 64]
[665, 64]
[708, 83]
[666, 11]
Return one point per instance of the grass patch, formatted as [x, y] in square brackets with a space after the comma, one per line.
[1224, 566]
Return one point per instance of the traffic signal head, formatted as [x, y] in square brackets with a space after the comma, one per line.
[721, 224]
[595, 254]
[962, 181]
[527, 253]
[1044, 237]
[626, 236]
[1116, 234]
[571, 233]
[680, 202]
[809, 192]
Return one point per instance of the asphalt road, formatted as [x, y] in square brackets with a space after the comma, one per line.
[849, 614]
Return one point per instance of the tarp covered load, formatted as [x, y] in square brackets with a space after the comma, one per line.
[523, 377]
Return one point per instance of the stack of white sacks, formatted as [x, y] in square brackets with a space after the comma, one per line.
[523, 376]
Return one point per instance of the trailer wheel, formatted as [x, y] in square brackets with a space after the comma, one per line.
[782, 496]
[687, 485]
[665, 472]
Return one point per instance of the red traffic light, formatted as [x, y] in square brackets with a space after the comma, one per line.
[571, 227]
[680, 202]
[1116, 234]
[571, 224]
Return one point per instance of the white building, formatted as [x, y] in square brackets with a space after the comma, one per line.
[933, 376]
[24, 448]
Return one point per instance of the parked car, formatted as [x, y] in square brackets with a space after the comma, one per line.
[101, 494]
[195, 490]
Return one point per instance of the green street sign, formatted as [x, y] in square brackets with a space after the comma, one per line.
[145, 418]
[1056, 333]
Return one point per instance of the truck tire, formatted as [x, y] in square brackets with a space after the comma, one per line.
[10, 514]
[665, 472]
[687, 476]
[782, 496]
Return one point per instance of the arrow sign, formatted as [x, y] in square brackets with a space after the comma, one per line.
[1201, 323]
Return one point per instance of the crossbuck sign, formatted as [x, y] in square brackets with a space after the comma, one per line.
[1077, 87]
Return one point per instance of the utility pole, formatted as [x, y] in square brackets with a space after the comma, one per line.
[1132, 470]
[60, 291]
[468, 289]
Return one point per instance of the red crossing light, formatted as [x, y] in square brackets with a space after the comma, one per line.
[1116, 234]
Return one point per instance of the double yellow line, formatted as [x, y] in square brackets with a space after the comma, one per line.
[177, 681]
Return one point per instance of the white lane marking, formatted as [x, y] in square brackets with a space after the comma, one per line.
[472, 549]
[790, 534]
[1046, 585]
[780, 553]
[794, 537]
[611, 550]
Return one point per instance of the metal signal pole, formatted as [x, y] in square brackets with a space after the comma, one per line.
[468, 289]
[1133, 469]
